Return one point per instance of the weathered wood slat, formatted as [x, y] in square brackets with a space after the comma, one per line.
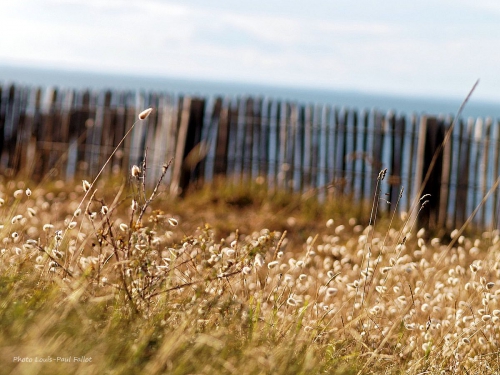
[340, 149]
[248, 140]
[331, 136]
[281, 146]
[154, 133]
[222, 141]
[323, 153]
[264, 142]
[485, 180]
[9, 116]
[445, 178]
[472, 175]
[22, 137]
[257, 139]
[289, 145]
[365, 156]
[31, 121]
[357, 157]
[316, 112]
[452, 152]
[274, 119]
[386, 161]
[462, 174]
[496, 174]
[300, 126]
[175, 185]
[350, 150]
[398, 126]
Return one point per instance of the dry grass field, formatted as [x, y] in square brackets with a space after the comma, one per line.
[112, 277]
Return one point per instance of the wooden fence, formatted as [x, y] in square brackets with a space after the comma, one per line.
[330, 150]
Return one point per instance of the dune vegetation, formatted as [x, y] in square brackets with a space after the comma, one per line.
[113, 277]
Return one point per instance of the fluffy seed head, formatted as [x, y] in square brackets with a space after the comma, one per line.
[135, 205]
[86, 185]
[259, 260]
[144, 114]
[135, 171]
[272, 264]
[47, 227]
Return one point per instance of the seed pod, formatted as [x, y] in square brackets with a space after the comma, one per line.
[144, 114]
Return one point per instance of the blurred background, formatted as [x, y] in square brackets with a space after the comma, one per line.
[418, 56]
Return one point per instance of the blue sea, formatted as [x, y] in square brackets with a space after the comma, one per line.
[351, 99]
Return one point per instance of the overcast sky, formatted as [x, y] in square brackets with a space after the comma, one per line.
[429, 47]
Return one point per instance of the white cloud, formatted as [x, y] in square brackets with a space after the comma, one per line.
[414, 50]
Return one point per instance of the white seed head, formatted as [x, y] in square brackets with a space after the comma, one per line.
[384, 270]
[259, 260]
[272, 264]
[135, 171]
[173, 222]
[331, 291]
[16, 218]
[144, 114]
[104, 210]
[123, 227]
[135, 205]
[28, 192]
[18, 193]
[47, 227]
[86, 185]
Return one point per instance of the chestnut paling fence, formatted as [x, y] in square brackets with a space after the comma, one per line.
[330, 151]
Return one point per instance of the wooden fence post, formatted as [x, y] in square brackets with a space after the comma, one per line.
[431, 136]
[189, 151]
